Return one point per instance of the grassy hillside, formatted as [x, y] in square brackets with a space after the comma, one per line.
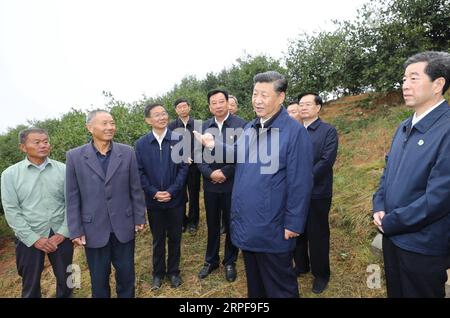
[365, 125]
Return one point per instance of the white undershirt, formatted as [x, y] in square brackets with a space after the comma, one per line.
[160, 138]
[220, 125]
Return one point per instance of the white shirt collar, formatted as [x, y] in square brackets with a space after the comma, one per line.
[160, 138]
[220, 125]
[416, 118]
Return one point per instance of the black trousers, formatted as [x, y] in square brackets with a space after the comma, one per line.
[30, 264]
[413, 275]
[99, 260]
[166, 223]
[313, 247]
[193, 188]
[215, 203]
[270, 275]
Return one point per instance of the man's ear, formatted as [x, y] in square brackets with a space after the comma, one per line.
[23, 148]
[438, 85]
[148, 120]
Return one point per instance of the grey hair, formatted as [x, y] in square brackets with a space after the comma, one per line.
[280, 83]
[23, 134]
[94, 113]
[235, 99]
[438, 65]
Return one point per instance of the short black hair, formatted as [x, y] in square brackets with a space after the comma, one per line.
[438, 65]
[217, 91]
[280, 83]
[317, 99]
[181, 100]
[23, 134]
[149, 107]
[292, 101]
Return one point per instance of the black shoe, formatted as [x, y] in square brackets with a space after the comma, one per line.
[175, 281]
[319, 285]
[192, 229]
[206, 270]
[157, 282]
[230, 273]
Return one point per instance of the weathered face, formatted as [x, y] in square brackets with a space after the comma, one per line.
[232, 106]
[418, 89]
[266, 101]
[308, 107]
[36, 146]
[102, 127]
[294, 111]
[159, 118]
[183, 109]
[218, 105]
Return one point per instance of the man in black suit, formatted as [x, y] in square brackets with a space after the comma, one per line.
[218, 178]
[184, 125]
[324, 139]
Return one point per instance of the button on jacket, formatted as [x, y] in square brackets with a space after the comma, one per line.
[414, 190]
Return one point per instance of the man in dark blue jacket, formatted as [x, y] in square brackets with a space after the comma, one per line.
[272, 189]
[412, 205]
[163, 176]
[218, 179]
[324, 139]
[185, 124]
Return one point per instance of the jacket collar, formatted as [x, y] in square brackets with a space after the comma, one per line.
[315, 124]
[151, 138]
[425, 123]
[92, 161]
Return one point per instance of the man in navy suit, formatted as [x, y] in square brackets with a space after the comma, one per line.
[185, 124]
[316, 238]
[271, 190]
[218, 178]
[105, 205]
[412, 205]
[163, 179]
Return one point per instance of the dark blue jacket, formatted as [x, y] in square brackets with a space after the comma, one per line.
[414, 190]
[227, 168]
[266, 202]
[324, 140]
[159, 172]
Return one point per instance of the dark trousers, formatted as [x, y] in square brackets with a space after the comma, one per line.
[215, 203]
[313, 246]
[413, 275]
[30, 264]
[99, 260]
[270, 275]
[193, 187]
[166, 223]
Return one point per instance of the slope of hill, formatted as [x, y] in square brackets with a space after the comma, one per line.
[365, 124]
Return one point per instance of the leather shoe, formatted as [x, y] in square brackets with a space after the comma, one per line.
[157, 282]
[175, 281]
[319, 285]
[230, 273]
[206, 270]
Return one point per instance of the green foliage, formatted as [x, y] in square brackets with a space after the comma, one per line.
[368, 54]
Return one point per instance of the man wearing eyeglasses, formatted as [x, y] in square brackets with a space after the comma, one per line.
[163, 180]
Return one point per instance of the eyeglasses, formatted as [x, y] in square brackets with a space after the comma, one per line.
[160, 115]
